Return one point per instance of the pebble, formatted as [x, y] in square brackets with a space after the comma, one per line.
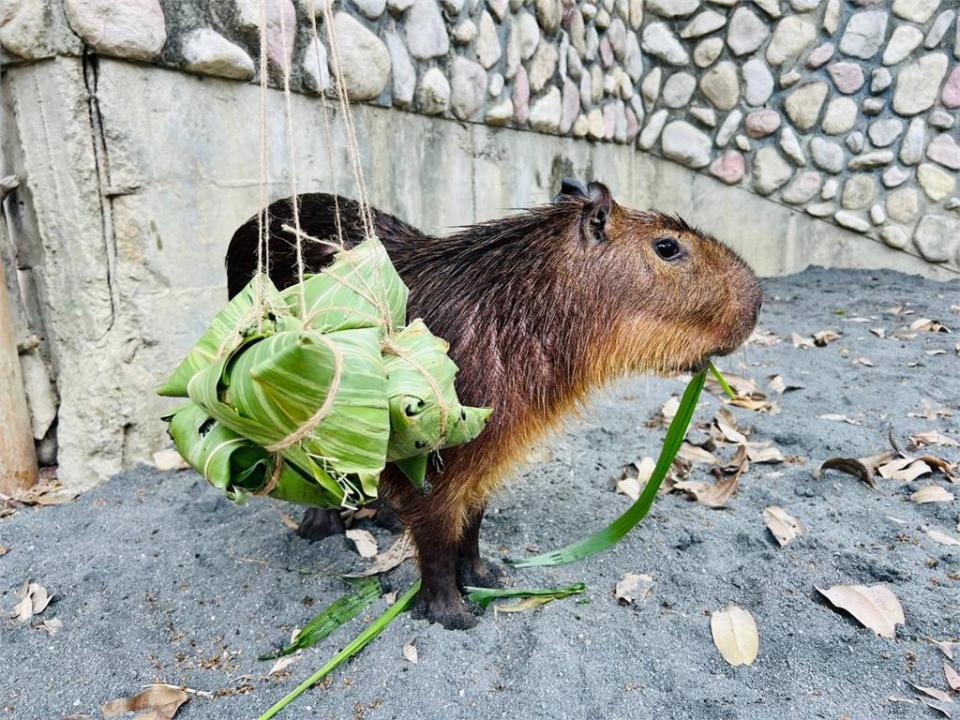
[758, 82]
[791, 37]
[770, 170]
[936, 237]
[761, 123]
[720, 85]
[365, 59]
[864, 34]
[685, 144]
[802, 188]
[918, 83]
[803, 104]
[903, 205]
[746, 32]
[208, 52]
[678, 89]
[936, 183]
[659, 41]
[729, 167]
[133, 29]
[426, 31]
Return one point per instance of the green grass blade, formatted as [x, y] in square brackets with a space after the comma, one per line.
[337, 613]
[723, 381]
[611, 534]
[484, 596]
[358, 643]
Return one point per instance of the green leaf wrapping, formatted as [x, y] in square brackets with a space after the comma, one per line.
[239, 467]
[360, 289]
[226, 332]
[425, 414]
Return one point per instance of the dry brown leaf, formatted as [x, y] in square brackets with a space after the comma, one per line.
[34, 599]
[284, 662]
[390, 598]
[52, 626]
[156, 702]
[863, 468]
[764, 453]
[781, 386]
[410, 653]
[636, 475]
[726, 423]
[735, 635]
[4, 550]
[931, 494]
[801, 342]
[946, 647]
[837, 417]
[364, 541]
[865, 362]
[695, 454]
[712, 495]
[953, 677]
[932, 437]
[782, 525]
[945, 709]
[669, 409]
[401, 551]
[527, 603]
[169, 459]
[933, 692]
[825, 337]
[763, 338]
[632, 588]
[905, 469]
[927, 325]
[289, 521]
[630, 487]
[741, 384]
[879, 332]
[875, 607]
[941, 537]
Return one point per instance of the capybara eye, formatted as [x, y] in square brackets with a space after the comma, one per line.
[667, 249]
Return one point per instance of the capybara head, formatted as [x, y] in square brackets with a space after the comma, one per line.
[674, 296]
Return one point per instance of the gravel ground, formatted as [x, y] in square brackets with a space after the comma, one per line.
[159, 579]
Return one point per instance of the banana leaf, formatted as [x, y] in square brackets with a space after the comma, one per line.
[273, 386]
[360, 289]
[238, 467]
[226, 332]
[418, 369]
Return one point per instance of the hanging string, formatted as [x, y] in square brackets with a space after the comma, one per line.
[263, 221]
[291, 152]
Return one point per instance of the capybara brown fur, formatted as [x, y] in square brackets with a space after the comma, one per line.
[539, 308]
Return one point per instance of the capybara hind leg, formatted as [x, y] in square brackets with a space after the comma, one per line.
[319, 523]
[439, 600]
[472, 569]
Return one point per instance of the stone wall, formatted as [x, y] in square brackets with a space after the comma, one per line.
[133, 174]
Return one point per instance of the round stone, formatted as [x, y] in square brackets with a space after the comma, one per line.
[546, 111]
[208, 52]
[803, 104]
[936, 237]
[820, 210]
[894, 176]
[851, 221]
[903, 205]
[943, 149]
[820, 55]
[884, 132]
[707, 51]
[918, 83]
[803, 188]
[465, 32]
[131, 29]
[918, 11]
[521, 96]
[542, 66]
[894, 237]
[880, 80]
[911, 147]
[872, 159]
[650, 87]
[528, 34]
[729, 167]
[685, 144]
[864, 34]
[365, 60]
[426, 31]
[678, 89]
[826, 155]
[434, 93]
[705, 116]
[936, 183]
[905, 39]
[651, 133]
[758, 82]
[659, 41]
[728, 128]
[761, 123]
[939, 29]
[790, 144]
[854, 141]
[720, 85]
[316, 76]
[877, 215]
[858, 192]
[746, 32]
[847, 76]
[633, 58]
[791, 37]
[940, 119]
[770, 170]
[830, 188]
[489, 50]
[703, 24]
[468, 85]
[672, 8]
[951, 89]
[571, 106]
[841, 115]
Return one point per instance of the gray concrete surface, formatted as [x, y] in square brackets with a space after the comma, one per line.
[159, 579]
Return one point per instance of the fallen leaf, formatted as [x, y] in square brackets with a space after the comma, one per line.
[52, 626]
[695, 454]
[837, 417]
[780, 386]
[931, 494]
[764, 453]
[927, 325]
[875, 607]
[669, 409]
[905, 469]
[630, 487]
[390, 598]
[4, 550]
[169, 459]
[364, 541]
[863, 468]
[726, 423]
[160, 702]
[953, 677]
[283, 663]
[825, 337]
[632, 587]
[866, 362]
[742, 385]
[879, 332]
[34, 600]
[782, 525]
[735, 635]
[946, 709]
[931, 411]
[763, 338]
[410, 653]
[946, 647]
[933, 692]
[801, 342]
[289, 521]
[932, 437]
[712, 495]
[941, 537]
[402, 550]
[636, 475]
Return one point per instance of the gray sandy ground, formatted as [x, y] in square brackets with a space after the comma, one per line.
[159, 579]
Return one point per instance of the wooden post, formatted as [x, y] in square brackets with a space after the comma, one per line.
[18, 456]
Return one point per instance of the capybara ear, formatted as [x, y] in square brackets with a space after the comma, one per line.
[571, 188]
[597, 210]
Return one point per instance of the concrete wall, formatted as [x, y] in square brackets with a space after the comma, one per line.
[134, 175]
